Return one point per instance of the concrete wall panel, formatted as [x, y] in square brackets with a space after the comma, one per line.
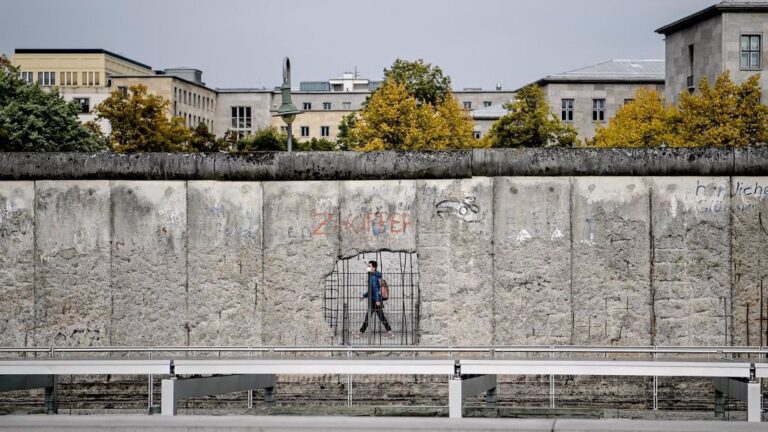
[455, 244]
[749, 207]
[225, 262]
[611, 261]
[73, 294]
[377, 215]
[532, 260]
[301, 245]
[17, 269]
[691, 260]
[149, 254]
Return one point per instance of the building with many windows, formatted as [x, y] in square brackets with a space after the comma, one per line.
[588, 97]
[728, 36]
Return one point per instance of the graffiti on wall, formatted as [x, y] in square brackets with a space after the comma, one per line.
[467, 209]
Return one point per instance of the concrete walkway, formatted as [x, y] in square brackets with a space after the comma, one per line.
[368, 424]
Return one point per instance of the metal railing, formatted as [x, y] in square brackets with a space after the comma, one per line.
[350, 349]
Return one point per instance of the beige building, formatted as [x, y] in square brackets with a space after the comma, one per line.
[589, 97]
[728, 36]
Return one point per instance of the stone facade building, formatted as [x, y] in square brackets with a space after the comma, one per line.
[589, 97]
[728, 36]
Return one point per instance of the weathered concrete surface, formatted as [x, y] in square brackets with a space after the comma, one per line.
[72, 295]
[300, 248]
[226, 295]
[611, 296]
[17, 267]
[377, 215]
[532, 261]
[691, 260]
[149, 262]
[749, 209]
[385, 165]
[455, 243]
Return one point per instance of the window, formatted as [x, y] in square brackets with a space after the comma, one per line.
[68, 78]
[347, 105]
[241, 117]
[85, 104]
[123, 90]
[477, 134]
[46, 78]
[28, 77]
[305, 131]
[751, 52]
[326, 105]
[486, 104]
[90, 78]
[467, 105]
[598, 110]
[626, 101]
[284, 129]
[566, 114]
[689, 79]
[325, 131]
[307, 106]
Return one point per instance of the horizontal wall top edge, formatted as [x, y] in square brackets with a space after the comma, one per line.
[281, 166]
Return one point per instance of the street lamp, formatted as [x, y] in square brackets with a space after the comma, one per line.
[288, 110]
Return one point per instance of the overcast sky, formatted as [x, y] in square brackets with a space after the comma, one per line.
[241, 43]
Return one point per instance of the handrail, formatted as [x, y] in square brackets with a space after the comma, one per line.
[529, 349]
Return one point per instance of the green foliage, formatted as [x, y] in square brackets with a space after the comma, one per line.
[346, 138]
[530, 124]
[268, 139]
[140, 123]
[423, 81]
[315, 144]
[202, 140]
[35, 120]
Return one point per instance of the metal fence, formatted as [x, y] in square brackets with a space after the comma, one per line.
[346, 311]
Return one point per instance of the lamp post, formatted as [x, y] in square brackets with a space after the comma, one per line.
[287, 110]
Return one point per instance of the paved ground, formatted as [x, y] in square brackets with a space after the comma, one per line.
[367, 424]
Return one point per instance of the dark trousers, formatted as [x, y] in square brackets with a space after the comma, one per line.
[379, 310]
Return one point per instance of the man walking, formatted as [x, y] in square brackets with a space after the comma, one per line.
[374, 297]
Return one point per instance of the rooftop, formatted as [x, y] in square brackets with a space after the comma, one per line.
[734, 6]
[78, 51]
[642, 71]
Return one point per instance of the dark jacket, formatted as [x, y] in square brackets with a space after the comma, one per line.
[374, 285]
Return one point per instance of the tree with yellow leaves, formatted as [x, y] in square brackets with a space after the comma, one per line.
[140, 123]
[721, 115]
[645, 122]
[393, 119]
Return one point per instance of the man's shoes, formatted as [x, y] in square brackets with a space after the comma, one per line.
[389, 335]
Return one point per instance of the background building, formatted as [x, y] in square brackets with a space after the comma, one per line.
[589, 97]
[728, 36]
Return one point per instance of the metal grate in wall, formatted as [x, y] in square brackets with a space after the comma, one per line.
[345, 312]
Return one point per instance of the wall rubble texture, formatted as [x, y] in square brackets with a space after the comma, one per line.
[502, 260]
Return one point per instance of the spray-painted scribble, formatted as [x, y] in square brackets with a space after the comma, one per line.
[468, 210]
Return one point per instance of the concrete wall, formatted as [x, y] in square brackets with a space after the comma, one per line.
[502, 260]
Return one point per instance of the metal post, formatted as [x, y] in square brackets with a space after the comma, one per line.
[150, 391]
[719, 403]
[269, 397]
[754, 402]
[454, 397]
[552, 381]
[655, 385]
[290, 137]
[52, 396]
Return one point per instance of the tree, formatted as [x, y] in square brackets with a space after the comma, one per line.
[423, 81]
[346, 138]
[267, 139]
[36, 120]
[202, 140]
[140, 122]
[530, 124]
[723, 115]
[317, 144]
[644, 122]
[394, 120]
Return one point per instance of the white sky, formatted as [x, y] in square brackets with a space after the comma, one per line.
[241, 43]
